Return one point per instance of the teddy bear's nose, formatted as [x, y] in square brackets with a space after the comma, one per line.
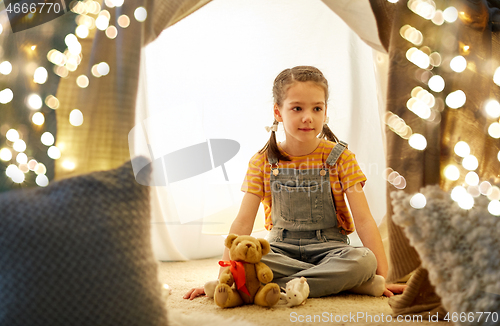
[248, 245]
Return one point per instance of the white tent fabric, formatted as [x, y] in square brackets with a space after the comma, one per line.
[210, 77]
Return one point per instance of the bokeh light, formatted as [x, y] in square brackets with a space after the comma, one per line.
[462, 149]
[47, 139]
[5, 154]
[470, 162]
[38, 118]
[54, 153]
[450, 14]
[82, 81]
[19, 146]
[140, 14]
[34, 101]
[436, 83]
[42, 180]
[451, 172]
[6, 96]
[458, 64]
[494, 130]
[12, 135]
[40, 76]
[76, 118]
[5, 68]
[418, 201]
[494, 207]
[455, 99]
[418, 141]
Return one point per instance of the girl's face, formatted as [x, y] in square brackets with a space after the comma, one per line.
[303, 113]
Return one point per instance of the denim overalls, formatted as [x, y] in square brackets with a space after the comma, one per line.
[305, 240]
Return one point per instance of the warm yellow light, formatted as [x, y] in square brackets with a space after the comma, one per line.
[22, 158]
[82, 31]
[47, 139]
[52, 102]
[5, 68]
[451, 172]
[54, 153]
[458, 193]
[38, 118]
[68, 165]
[466, 202]
[494, 130]
[5, 154]
[438, 18]
[111, 32]
[102, 22]
[40, 76]
[19, 146]
[12, 135]
[466, 48]
[418, 201]
[492, 109]
[458, 64]
[456, 99]
[436, 83]
[418, 142]
[123, 21]
[450, 14]
[40, 168]
[34, 101]
[470, 162]
[494, 193]
[494, 207]
[82, 81]
[462, 149]
[472, 179]
[33, 47]
[140, 14]
[496, 76]
[6, 96]
[76, 118]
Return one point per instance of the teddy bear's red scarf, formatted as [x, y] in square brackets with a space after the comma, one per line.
[238, 271]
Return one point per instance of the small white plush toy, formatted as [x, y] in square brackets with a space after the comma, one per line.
[297, 291]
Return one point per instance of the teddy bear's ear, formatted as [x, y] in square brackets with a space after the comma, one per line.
[266, 247]
[230, 239]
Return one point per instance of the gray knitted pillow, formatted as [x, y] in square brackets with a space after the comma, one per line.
[460, 249]
[78, 252]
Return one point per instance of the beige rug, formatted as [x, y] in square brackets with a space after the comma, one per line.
[342, 309]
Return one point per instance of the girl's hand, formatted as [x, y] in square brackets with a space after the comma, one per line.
[193, 293]
[391, 289]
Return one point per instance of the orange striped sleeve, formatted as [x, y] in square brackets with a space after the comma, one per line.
[349, 171]
[254, 179]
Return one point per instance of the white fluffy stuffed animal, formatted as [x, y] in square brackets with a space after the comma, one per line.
[297, 291]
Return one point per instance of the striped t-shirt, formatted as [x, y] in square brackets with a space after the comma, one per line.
[343, 175]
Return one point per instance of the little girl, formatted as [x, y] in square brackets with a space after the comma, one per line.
[302, 182]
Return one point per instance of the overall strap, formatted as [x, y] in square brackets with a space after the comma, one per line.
[336, 152]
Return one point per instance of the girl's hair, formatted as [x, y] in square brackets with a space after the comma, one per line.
[282, 83]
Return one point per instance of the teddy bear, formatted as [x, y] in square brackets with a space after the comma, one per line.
[251, 277]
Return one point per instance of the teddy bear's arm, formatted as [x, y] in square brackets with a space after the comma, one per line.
[226, 277]
[264, 273]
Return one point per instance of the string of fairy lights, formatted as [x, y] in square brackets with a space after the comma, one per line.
[90, 18]
[426, 106]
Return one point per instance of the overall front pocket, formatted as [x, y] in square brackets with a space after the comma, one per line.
[300, 203]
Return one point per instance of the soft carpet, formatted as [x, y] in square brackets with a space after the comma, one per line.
[342, 309]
